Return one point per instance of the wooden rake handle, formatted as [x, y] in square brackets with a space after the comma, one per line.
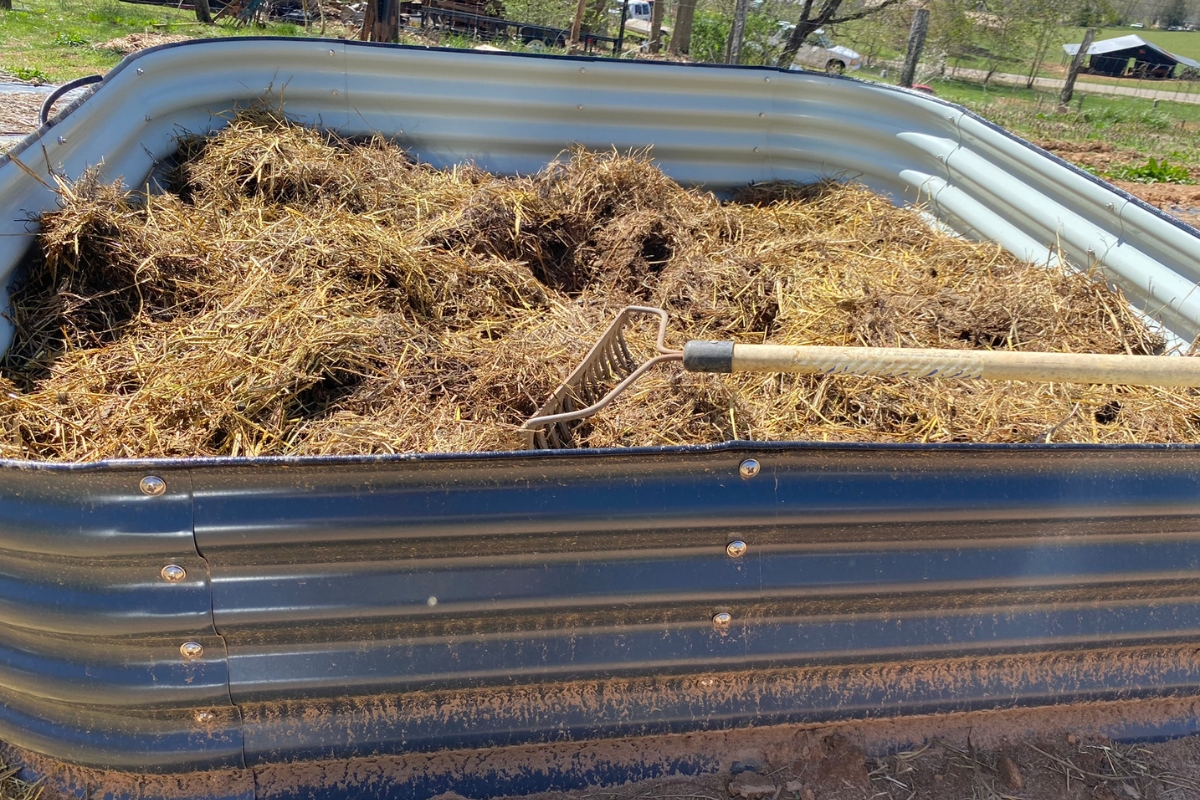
[996, 365]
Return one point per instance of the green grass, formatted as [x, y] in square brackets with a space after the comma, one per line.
[1166, 131]
[53, 40]
[1184, 43]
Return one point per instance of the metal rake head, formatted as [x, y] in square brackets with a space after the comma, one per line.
[590, 387]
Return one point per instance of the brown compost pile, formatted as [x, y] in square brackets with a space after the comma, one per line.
[295, 293]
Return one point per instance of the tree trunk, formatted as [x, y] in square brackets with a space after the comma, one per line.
[804, 28]
[368, 25]
[573, 46]
[593, 21]
[916, 43]
[733, 52]
[681, 34]
[203, 12]
[656, 18]
[1076, 64]
[381, 21]
[1038, 57]
[387, 27]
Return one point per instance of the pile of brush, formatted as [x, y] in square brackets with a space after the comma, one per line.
[290, 292]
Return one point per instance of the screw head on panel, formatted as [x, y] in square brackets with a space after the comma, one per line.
[721, 620]
[191, 650]
[173, 573]
[749, 468]
[736, 548]
[152, 485]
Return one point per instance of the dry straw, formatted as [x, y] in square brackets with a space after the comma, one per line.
[295, 293]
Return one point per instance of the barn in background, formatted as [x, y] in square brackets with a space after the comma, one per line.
[1131, 56]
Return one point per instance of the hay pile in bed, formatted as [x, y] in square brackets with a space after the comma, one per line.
[294, 293]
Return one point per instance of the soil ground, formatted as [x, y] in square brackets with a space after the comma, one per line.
[835, 768]
[1179, 200]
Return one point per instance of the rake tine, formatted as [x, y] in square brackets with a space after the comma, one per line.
[609, 360]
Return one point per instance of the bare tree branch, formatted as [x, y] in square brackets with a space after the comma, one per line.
[864, 13]
[808, 24]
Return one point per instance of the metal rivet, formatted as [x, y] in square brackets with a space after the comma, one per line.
[191, 649]
[173, 573]
[62, 140]
[762, 114]
[749, 468]
[1109, 206]
[768, 80]
[431, 602]
[153, 485]
[583, 69]
[335, 92]
[736, 548]
[205, 716]
[140, 71]
[721, 620]
[147, 118]
[331, 54]
[756, 149]
[941, 157]
[580, 107]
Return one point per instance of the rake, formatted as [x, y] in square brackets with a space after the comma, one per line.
[587, 391]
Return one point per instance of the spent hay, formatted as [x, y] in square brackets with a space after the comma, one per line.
[295, 293]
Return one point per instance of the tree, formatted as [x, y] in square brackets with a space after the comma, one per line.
[826, 14]
[381, 21]
[1175, 15]
[203, 12]
[1094, 14]
[1045, 25]
[737, 32]
[594, 19]
[656, 18]
[681, 34]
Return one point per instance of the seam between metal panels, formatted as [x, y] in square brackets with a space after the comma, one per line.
[212, 618]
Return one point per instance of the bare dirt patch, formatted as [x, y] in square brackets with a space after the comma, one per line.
[1179, 200]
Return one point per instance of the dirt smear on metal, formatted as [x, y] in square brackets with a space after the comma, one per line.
[1026, 754]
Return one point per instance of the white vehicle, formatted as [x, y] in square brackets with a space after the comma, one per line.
[639, 9]
[819, 52]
